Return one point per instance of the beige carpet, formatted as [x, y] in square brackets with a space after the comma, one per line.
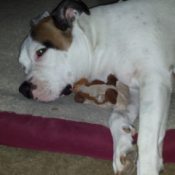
[27, 162]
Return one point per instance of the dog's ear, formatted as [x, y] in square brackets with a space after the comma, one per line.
[68, 11]
[37, 19]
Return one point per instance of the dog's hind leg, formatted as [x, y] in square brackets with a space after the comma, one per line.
[155, 93]
[124, 156]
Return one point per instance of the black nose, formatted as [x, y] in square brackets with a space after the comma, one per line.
[67, 90]
[26, 89]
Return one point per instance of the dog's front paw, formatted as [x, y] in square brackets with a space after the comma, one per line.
[125, 164]
[122, 133]
[125, 153]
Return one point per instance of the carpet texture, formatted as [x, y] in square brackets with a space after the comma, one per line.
[26, 162]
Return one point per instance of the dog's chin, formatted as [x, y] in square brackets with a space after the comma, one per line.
[46, 95]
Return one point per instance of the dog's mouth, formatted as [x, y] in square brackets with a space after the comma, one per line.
[31, 91]
[67, 90]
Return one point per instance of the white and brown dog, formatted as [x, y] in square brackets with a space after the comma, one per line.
[134, 40]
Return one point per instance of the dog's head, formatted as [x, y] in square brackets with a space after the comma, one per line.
[45, 52]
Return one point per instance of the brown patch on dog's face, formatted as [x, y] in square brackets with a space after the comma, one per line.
[48, 34]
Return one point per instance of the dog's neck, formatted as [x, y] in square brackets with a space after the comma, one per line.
[80, 53]
[83, 50]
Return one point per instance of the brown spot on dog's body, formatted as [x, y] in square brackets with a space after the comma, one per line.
[46, 32]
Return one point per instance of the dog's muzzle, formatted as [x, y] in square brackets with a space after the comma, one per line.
[26, 89]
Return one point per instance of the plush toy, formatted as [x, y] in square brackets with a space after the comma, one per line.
[111, 93]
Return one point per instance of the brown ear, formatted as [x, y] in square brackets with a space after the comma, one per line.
[111, 96]
[67, 11]
[111, 80]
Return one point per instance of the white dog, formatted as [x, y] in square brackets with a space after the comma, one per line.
[134, 40]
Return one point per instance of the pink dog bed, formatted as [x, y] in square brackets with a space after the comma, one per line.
[59, 135]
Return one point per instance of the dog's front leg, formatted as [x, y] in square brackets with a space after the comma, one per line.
[120, 124]
[154, 104]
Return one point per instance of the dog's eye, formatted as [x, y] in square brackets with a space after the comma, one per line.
[40, 52]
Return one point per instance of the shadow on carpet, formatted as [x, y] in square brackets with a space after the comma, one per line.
[15, 161]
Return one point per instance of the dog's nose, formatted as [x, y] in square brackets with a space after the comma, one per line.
[67, 90]
[26, 89]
